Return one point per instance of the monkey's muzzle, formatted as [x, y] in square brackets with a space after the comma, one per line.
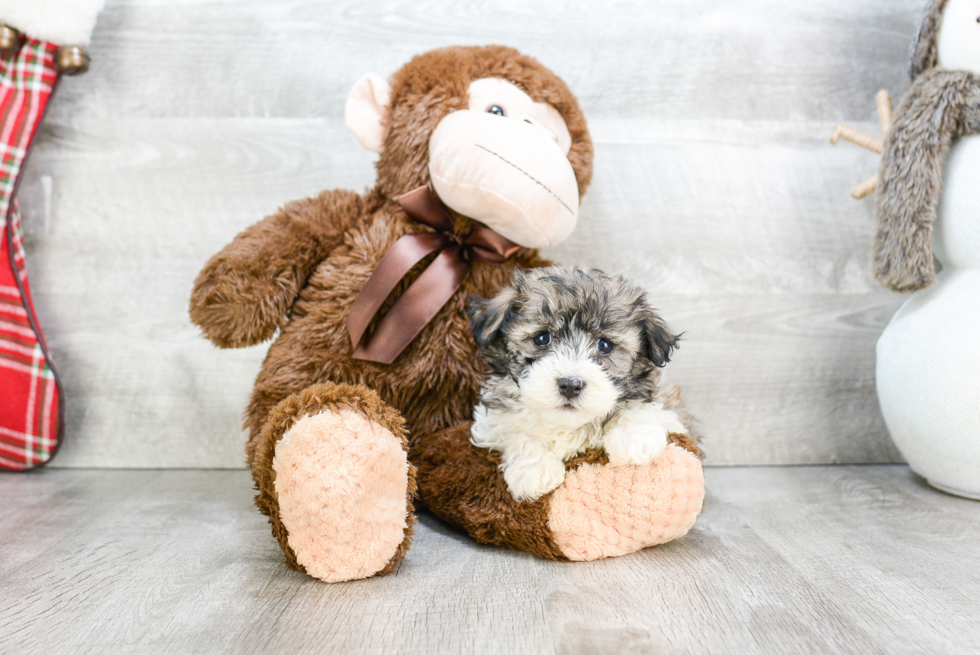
[507, 173]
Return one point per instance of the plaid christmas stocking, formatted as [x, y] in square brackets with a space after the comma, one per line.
[56, 31]
[30, 396]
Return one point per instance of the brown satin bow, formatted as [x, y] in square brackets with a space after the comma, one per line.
[434, 287]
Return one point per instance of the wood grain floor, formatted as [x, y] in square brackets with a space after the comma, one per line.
[783, 560]
[715, 187]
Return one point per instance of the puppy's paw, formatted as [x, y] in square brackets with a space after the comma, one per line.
[634, 444]
[639, 434]
[529, 480]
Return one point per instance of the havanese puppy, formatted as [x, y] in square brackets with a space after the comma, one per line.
[573, 361]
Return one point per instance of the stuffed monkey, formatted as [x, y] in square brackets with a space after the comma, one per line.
[363, 400]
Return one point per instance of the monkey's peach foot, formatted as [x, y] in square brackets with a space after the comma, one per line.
[342, 481]
[606, 511]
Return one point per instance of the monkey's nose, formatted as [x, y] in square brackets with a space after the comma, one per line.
[531, 121]
[570, 387]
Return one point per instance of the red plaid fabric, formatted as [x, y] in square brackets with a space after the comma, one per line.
[30, 407]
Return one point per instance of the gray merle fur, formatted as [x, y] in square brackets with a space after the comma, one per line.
[576, 307]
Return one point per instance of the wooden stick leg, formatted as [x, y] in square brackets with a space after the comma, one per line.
[865, 188]
[884, 101]
[866, 141]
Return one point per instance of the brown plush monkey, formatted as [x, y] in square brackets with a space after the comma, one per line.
[333, 426]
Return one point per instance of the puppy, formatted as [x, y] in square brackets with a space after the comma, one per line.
[572, 359]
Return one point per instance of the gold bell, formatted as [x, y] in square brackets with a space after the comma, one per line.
[72, 60]
[10, 40]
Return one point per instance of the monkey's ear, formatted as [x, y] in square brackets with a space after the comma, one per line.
[659, 341]
[488, 316]
[364, 113]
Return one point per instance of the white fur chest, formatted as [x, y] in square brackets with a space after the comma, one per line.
[956, 235]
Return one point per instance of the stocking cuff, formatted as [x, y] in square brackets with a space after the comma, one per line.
[62, 22]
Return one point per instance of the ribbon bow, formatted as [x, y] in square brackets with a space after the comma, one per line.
[434, 287]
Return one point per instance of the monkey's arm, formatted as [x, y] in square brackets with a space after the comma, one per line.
[244, 292]
[926, 123]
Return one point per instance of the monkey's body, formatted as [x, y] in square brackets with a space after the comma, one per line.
[443, 358]
[339, 445]
[432, 386]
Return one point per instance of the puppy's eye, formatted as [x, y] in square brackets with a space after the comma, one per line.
[496, 110]
[542, 340]
[604, 345]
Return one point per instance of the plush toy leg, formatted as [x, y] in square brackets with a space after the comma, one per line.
[599, 511]
[332, 473]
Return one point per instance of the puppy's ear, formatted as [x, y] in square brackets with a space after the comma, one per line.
[489, 315]
[659, 341]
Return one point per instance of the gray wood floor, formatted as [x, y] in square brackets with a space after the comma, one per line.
[784, 560]
[715, 187]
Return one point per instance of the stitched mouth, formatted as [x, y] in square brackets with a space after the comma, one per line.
[531, 177]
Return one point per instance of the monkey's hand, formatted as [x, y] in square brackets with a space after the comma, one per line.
[638, 433]
[244, 293]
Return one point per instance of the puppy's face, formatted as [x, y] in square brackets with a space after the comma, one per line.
[573, 343]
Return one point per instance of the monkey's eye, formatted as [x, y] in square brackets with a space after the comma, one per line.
[542, 340]
[496, 110]
[604, 345]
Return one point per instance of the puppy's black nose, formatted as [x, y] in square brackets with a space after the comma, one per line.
[570, 387]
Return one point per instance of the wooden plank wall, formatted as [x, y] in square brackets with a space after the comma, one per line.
[714, 186]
